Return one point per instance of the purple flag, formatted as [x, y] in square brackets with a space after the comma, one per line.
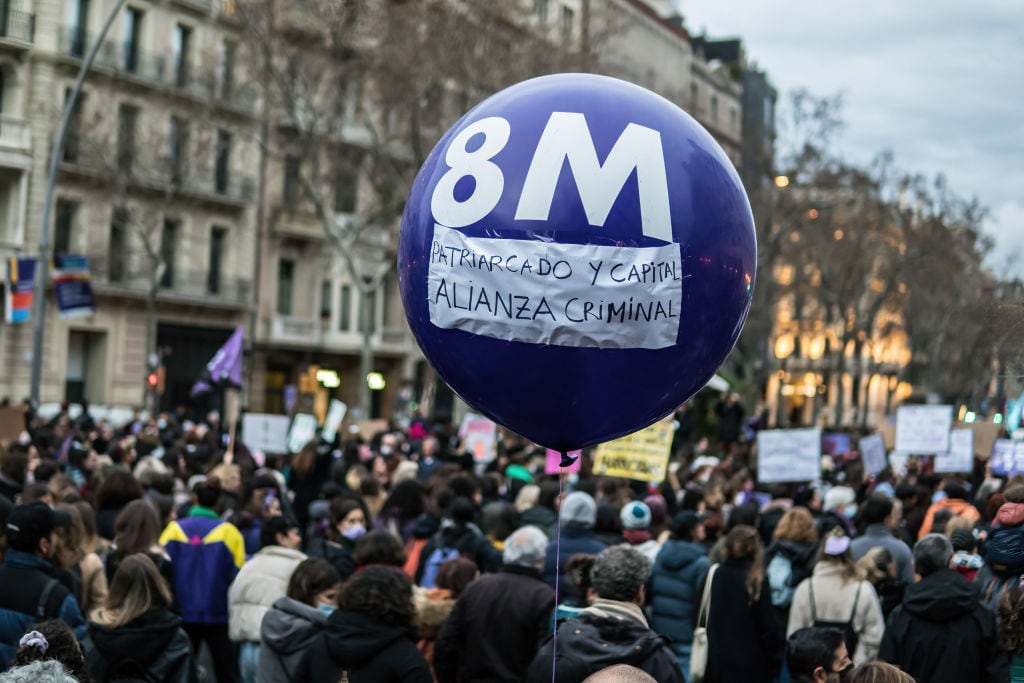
[225, 368]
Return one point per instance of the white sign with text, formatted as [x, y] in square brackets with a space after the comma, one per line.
[872, 452]
[960, 457]
[923, 430]
[265, 433]
[788, 455]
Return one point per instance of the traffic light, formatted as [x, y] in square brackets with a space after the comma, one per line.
[153, 380]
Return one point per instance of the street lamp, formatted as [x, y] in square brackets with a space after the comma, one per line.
[781, 181]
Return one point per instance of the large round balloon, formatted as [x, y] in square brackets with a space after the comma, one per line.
[576, 258]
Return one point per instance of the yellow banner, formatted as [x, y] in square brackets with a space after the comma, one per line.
[643, 455]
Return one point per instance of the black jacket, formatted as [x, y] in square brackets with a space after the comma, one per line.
[495, 627]
[738, 625]
[371, 651]
[942, 633]
[339, 555]
[152, 647]
[470, 544]
[591, 642]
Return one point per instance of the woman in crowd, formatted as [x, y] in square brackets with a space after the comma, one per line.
[879, 567]
[294, 622]
[137, 530]
[117, 489]
[49, 653]
[790, 558]
[136, 634]
[378, 548]
[403, 505]
[372, 634]
[741, 616]
[86, 567]
[836, 595]
[346, 525]
[433, 605]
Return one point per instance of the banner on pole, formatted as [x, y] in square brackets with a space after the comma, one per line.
[788, 455]
[21, 273]
[72, 287]
[335, 414]
[642, 455]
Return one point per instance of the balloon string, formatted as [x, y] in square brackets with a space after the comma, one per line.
[558, 576]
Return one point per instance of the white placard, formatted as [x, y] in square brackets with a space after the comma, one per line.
[265, 433]
[303, 430]
[586, 296]
[923, 430]
[960, 457]
[872, 453]
[788, 455]
[335, 414]
[898, 461]
[478, 437]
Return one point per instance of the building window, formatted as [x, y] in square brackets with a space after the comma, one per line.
[218, 236]
[540, 8]
[181, 48]
[567, 20]
[127, 121]
[73, 136]
[285, 286]
[325, 299]
[714, 109]
[177, 147]
[346, 183]
[78, 22]
[116, 251]
[64, 221]
[223, 159]
[226, 68]
[292, 168]
[345, 309]
[132, 38]
[168, 248]
[368, 307]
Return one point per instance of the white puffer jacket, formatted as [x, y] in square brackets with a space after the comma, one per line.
[260, 582]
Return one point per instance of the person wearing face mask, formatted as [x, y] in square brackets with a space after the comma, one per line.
[817, 655]
[346, 525]
[839, 507]
[259, 584]
[293, 624]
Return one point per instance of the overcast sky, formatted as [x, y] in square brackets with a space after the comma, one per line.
[938, 82]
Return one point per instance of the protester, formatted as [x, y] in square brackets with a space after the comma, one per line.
[260, 583]
[817, 655]
[965, 560]
[877, 515]
[458, 537]
[290, 628]
[620, 673]
[49, 653]
[434, 605]
[372, 634]
[85, 570]
[879, 569]
[677, 582]
[577, 518]
[839, 507]
[613, 630]
[790, 558]
[347, 524]
[473, 645]
[137, 530]
[28, 590]
[137, 635]
[741, 616]
[1004, 548]
[955, 502]
[636, 529]
[942, 632]
[1011, 629]
[207, 554]
[577, 571]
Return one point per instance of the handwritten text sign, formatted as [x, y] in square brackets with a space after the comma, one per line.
[872, 452]
[923, 430]
[642, 456]
[788, 455]
[960, 457]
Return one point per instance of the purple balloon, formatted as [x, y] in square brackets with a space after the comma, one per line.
[576, 258]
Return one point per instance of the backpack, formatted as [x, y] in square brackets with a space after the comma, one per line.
[438, 556]
[848, 629]
[780, 579]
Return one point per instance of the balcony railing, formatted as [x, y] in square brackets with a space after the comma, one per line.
[192, 285]
[14, 134]
[18, 25]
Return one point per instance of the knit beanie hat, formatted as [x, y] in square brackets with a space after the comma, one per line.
[578, 508]
[635, 515]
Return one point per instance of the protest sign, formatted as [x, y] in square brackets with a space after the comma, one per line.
[835, 444]
[872, 452]
[265, 433]
[898, 462]
[335, 414]
[1007, 457]
[788, 455]
[960, 457]
[923, 430]
[478, 437]
[302, 431]
[642, 455]
[985, 435]
[71, 286]
[552, 463]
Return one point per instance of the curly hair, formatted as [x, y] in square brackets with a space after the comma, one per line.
[1011, 618]
[796, 525]
[384, 593]
[619, 572]
[743, 543]
[62, 646]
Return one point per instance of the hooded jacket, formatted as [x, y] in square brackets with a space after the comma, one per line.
[942, 634]
[370, 650]
[152, 646]
[261, 582]
[675, 588]
[468, 541]
[287, 633]
[575, 539]
[959, 508]
[605, 634]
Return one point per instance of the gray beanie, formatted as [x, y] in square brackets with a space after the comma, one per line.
[578, 508]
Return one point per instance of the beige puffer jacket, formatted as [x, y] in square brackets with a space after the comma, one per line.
[260, 582]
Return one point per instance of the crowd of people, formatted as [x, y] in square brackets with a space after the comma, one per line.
[159, 551]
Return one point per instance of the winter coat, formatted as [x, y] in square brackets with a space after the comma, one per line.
[370, 650]
[674, 591]
[737, 624]
[339, 555]
[287, 635]
[834, 601]
[432, 609]
[261, 582]
[959, 508]
[152, 646]
[879, 535]
[942, 634]
[890, 592]
[607, 633]
[494, 628]
[467, 541]
[575, 539]
[543, 518]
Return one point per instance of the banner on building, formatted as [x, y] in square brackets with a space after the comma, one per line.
[788, 455]
[643, 455]
[21, 273]
[72, 287]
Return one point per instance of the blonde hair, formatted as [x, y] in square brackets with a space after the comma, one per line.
[958, 522]
[851, 572]
[878, 672]
[136, 589]
[796, 525]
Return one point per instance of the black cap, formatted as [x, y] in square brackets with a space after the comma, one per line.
[684, 522]
[28, 523]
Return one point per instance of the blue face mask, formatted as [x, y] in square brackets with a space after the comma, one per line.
[354, 533]
[850, 511]
[326, 608]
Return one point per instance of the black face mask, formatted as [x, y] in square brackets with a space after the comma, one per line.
[845, 673]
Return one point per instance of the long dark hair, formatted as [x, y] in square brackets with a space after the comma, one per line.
[743, 543]
[118, 489]
[136, 589]
[310, 578]
[62, 646]
[340, 508]
[137, 528]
